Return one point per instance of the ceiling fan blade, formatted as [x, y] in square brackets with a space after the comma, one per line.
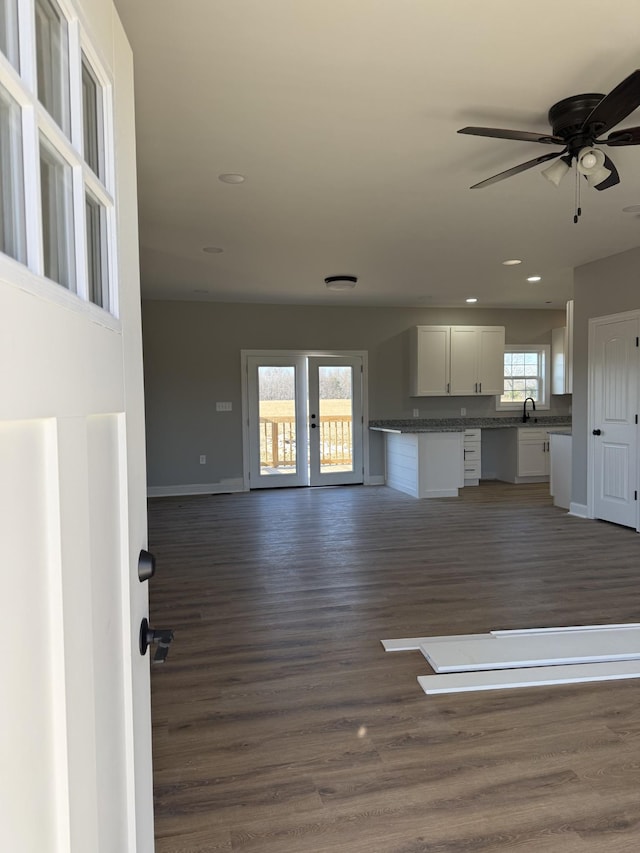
[516, 170]
[523, 135]
[613, 179]
[615, 106]
[630, 136]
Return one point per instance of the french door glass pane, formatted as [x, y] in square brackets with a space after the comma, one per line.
[277, 413]
[97, 270]
[52, 50]
[9, 31]
[12, 211]
[336, 418]
[57, 217]
[92, 120]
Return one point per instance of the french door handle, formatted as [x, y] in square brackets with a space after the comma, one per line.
[313, 426]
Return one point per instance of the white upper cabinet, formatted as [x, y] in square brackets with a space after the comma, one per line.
[477, 360]
[462, 361]
[562, 356]
[430, 361]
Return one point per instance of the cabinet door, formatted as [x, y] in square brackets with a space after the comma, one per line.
[464, 361]
[533, 454]
[430, 361]
[490, 360]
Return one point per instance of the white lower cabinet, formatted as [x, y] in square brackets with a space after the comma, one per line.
[424, 465]
[472, 451]
[533, 452]
[517, 454]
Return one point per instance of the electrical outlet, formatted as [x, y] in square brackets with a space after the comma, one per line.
[463, 411]
[223, 407]
[416, 413]
[203, 459]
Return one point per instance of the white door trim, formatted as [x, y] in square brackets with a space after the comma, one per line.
[244, 356]
[594, 323]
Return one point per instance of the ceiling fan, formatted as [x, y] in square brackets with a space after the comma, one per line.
[576, 123]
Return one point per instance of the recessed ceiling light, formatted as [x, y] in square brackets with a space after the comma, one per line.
[633, 208]
[212, 250]
[511, 263]
[471, 299]
[534, 278]
[231, 178]
[340, 282]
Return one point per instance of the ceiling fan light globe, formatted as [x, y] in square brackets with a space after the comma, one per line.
[590, 161]
[598, 176]
[556, 172]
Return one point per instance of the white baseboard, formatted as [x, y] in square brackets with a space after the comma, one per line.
[376, 480]
[579, 510]
[220, 488]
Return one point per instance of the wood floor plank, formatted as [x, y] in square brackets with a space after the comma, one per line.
[282, 726]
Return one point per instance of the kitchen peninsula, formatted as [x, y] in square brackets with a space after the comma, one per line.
[425, 457]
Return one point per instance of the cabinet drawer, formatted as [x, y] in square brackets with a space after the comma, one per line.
[531, 434]
[472, 451]
[472, 470]
[471, 435]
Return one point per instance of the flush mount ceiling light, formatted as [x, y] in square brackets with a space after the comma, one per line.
[471, 299]
[511, 263]
[212, 250]
[231, 178]
[534, 278]
[341, 282]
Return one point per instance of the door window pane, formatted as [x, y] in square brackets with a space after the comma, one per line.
[277, 412]
[97, 271]
[92, 123]
[57, 217]
[52, 49]
[9, 31]
[336, 418]
[12, 213]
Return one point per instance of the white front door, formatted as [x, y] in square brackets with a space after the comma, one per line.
[75, 733]
[304, 419]
[614, 374]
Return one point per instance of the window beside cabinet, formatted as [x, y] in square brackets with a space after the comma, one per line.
[526, 374]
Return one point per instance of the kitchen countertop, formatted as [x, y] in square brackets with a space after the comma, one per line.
[416, 425]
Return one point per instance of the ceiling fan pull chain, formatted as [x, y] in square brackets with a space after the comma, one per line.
[578, 209]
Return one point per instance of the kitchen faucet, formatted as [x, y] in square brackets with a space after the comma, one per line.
[525, 413]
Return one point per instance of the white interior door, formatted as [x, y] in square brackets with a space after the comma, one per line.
[277, 389]
[75, 732]
[614, 373]
[335, 420]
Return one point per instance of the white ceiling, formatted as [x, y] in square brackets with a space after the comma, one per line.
[342, 115]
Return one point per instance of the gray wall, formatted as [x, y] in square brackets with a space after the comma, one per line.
[192, 360]
[607, 286]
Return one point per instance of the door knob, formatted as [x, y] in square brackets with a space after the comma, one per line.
[597, 432]
[162, 636]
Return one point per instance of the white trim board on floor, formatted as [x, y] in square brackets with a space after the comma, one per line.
[462, 682]
[507, 652]
[524, 631]
[412, 644]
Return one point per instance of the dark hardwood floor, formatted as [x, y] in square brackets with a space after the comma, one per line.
[282, 726]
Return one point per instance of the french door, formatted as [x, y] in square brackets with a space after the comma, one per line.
[305, 420]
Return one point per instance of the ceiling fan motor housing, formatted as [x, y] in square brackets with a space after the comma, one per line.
[567, 118]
